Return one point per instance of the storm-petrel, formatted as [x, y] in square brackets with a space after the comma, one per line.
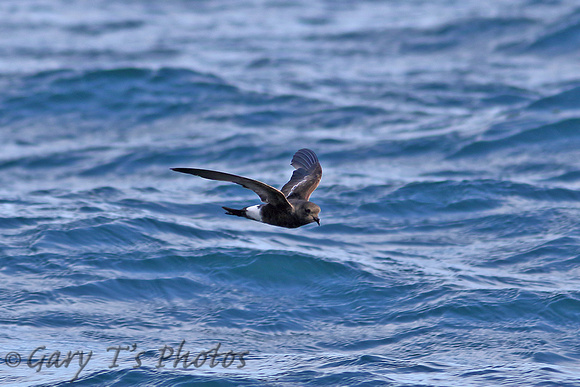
[288, 207]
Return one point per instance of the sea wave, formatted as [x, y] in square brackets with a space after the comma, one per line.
[448, 247]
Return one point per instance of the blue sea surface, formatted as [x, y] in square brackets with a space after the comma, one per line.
[449, 249]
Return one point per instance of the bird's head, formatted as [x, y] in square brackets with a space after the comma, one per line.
[310, 212]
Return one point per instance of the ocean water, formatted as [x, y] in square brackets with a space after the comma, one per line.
[449, 136]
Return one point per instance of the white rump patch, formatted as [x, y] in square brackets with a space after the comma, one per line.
[253, 212]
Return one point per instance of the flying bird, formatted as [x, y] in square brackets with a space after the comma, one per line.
[288, 207]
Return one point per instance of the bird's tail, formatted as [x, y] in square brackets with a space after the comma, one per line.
[232, 211]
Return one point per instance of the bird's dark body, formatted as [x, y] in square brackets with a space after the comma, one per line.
[288, 207]
[272, 215]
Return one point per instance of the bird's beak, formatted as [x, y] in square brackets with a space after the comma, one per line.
[317, 220]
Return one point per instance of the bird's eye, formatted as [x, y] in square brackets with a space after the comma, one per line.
[308, 210]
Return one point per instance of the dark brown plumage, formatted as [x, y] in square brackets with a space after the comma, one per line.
[288, 207]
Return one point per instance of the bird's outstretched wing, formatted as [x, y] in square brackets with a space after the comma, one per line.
[267, 193]
[305, 178]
